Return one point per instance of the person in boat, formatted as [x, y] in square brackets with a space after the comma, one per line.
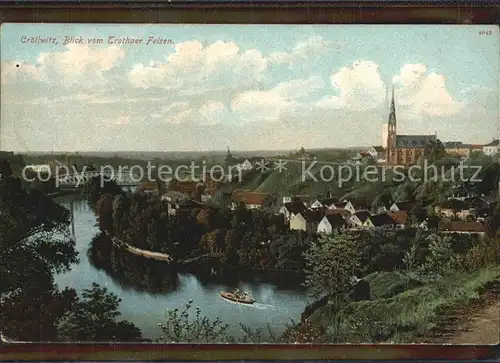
[237, 293]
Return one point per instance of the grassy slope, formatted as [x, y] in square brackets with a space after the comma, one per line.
[401, 316]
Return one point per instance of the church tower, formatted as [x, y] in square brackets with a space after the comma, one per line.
[228, 160]
[391, 133]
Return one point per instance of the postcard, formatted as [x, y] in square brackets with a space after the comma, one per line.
[204, 183]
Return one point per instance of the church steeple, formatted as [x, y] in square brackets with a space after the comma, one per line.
[229, 157]
[392, 112]
[391, 133]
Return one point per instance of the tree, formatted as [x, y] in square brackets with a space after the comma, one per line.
[331, 263]
[93, 318]
[491, 224]
[34, 245]
[104, 209]
[5, 169]
[440, 259]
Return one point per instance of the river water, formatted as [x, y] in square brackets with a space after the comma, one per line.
[146, 307]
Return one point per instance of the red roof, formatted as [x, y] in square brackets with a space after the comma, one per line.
[400, 216]
[249, 197]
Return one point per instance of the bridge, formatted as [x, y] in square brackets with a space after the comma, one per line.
[79, 179]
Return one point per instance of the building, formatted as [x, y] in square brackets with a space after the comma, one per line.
[305, 199]
[331, 223]
[307, 221]
[406, 149]
[462, 227]
[401, 206]
[377, 152]
[341, 212]
[288, 209]
[251, 200]
[328, 203]
[457, 148]
[381, 221]
[354, 206]
[358, 219]
[400, 217]
[492, 148]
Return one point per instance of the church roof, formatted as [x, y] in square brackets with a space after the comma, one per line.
[493, 143]
[414, 141]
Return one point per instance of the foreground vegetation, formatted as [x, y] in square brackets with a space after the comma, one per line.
[35, 245]
[403, 307]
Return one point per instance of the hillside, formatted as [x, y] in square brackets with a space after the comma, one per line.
[377, 189]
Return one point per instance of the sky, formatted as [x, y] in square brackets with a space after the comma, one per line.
[247, 87]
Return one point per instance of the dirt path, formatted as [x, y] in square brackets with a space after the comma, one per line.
[478, 323]
[484, 328]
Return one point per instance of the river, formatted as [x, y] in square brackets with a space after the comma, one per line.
[146, 307]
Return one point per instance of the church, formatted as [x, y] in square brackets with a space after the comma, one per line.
[404, 149]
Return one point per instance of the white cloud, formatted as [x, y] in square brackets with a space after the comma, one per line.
[195, 68]
[277, 102]
[360, 88]
[77, 65]
[424, 94]
[210, 113]
[303, 50]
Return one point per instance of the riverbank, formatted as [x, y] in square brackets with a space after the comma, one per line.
[140, 252]
[64, 193]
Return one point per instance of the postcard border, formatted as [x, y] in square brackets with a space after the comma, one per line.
[368, 12]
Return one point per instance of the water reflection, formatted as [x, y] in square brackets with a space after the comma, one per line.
[148, 288]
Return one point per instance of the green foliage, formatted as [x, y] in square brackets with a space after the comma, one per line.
[93, 318]
[34, 245]
[441, 260]
[179, 328]
[332, 262]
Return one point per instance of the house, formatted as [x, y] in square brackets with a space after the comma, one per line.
[397, 206]
[357, 219]
[356, 205]
[462, 227]
[305, 199]
[317, 204]
[330, 223]
[246, 165]
[401, 217]
[383, 220]
[288, 209]
[377, 152]
[341, 212]
[251, 200]
[173, 197]
[457, 148]
[329, 203]
[307, 221]
[492, 148]
[186, 187]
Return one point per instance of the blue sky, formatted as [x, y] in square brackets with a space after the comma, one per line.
[245, 86]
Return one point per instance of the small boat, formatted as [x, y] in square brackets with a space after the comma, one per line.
[246, 299]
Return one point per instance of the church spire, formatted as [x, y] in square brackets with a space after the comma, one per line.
[392, 114]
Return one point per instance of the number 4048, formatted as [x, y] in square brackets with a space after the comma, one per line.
[485, 32]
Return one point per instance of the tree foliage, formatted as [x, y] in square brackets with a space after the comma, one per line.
[93, 318]
[332, 262]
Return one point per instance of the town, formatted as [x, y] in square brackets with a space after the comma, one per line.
[324, 186]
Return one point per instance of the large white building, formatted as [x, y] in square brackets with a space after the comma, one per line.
[492, 148]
